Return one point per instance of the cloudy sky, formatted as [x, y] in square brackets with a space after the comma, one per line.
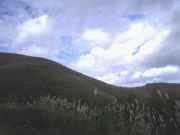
[122, 42]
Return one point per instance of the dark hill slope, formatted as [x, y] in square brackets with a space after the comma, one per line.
[24, 77]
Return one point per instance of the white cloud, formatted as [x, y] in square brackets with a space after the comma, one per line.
[153, 45]
[125, 53]
[155, 72]
[109, 78]
[33, 27]
[137, 75]
[96, 36]
[34, 50]
[36, 37]
[138, 38]
[40, 51]
[86, 61]
[90, 63]
[124, 47]
[169, 73]
[124, 73]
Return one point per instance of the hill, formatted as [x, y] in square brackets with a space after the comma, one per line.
[41, 97]
[23, 77]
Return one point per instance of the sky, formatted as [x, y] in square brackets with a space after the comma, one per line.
[122, 42]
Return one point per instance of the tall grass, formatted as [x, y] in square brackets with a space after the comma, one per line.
[158, 115]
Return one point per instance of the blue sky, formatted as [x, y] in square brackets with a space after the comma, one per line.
[122, 42]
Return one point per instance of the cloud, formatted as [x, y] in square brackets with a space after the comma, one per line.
[126, 52]
[37, 50]
[118, 41]
[109, 78]
[34, 38]
[96, 36]
[33, 27]
[127, 46]
[156, 72]
[169, 73]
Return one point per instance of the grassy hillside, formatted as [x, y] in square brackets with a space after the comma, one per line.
[23, 77]
[41, 97]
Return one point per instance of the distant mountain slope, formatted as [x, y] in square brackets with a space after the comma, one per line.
[171, 89]
[24, 77]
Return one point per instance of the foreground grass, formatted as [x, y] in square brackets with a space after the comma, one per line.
[158, 115]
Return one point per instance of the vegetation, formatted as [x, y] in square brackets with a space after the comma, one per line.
[53, 115]
[41, 97]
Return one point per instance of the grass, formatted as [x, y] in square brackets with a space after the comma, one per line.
[61, 116]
